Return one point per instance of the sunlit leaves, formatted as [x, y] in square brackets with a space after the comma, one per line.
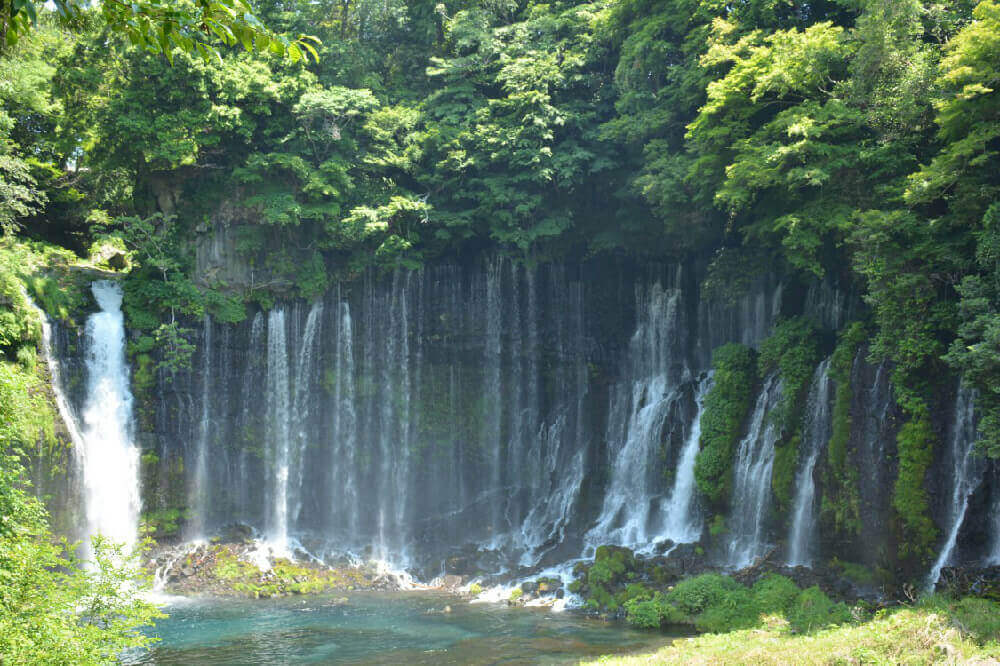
[199, 27]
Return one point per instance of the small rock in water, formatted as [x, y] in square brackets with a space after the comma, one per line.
[451, 581]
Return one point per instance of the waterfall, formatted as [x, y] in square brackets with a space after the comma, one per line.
[682, 524]
[554, 454]
[248, 416]
[279, 427]
[345, 508]
[198, 491]
[306, 372]
[816, 431]
[66, 412]
[492, 394]
[108, 458]
[752, 479]
[966, 468]
[639, 409]
[415, 416]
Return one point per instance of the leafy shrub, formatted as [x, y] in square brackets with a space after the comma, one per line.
[776, 594]
[716, 603]
[645, 613]
[694, 595]
[814, 610]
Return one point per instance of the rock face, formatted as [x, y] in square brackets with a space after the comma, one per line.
[979, 582]
[217, 261]
[495, 416]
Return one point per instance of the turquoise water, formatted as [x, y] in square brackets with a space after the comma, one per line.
[382, 628]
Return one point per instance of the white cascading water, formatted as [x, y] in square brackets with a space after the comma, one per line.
[752, 479]
[816, 433]
[345, 421]
[279, 433]
[540, 514]
[966, 469]
[55, 375]
[492, 387]
[199, 485]
[108, 458]
[639, 408]
[306, 370]
[407, 414]
[681, 521]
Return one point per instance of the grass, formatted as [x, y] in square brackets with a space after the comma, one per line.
[923, 635]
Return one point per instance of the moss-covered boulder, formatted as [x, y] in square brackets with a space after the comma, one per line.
[232, 570]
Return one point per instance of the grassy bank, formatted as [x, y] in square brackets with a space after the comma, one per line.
[936, 631]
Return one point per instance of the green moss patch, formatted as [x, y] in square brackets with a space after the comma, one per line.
[726, 407]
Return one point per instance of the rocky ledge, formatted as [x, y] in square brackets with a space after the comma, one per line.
[244, 568]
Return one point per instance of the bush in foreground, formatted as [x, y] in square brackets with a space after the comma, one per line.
[715, 603]
[913, 635]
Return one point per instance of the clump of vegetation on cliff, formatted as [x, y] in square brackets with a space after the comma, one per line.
[793, 352]
[726, 407]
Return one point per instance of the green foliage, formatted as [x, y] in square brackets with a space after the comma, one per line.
[917, 635]
[160, 524]
[786, 462]
[841, 505]
[52, 610]
[793, 352]
[715, 603]
[814, 610]
[915, 443]
[175, 350]
[648, 613]
[854, 572]
[726, 406]
[695, 595]
[979, 618]
[613, 566]
[51, 275]
[161, 27]
[976, 349]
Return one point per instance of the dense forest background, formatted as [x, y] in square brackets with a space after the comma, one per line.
[850, 139]
[854, 141]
